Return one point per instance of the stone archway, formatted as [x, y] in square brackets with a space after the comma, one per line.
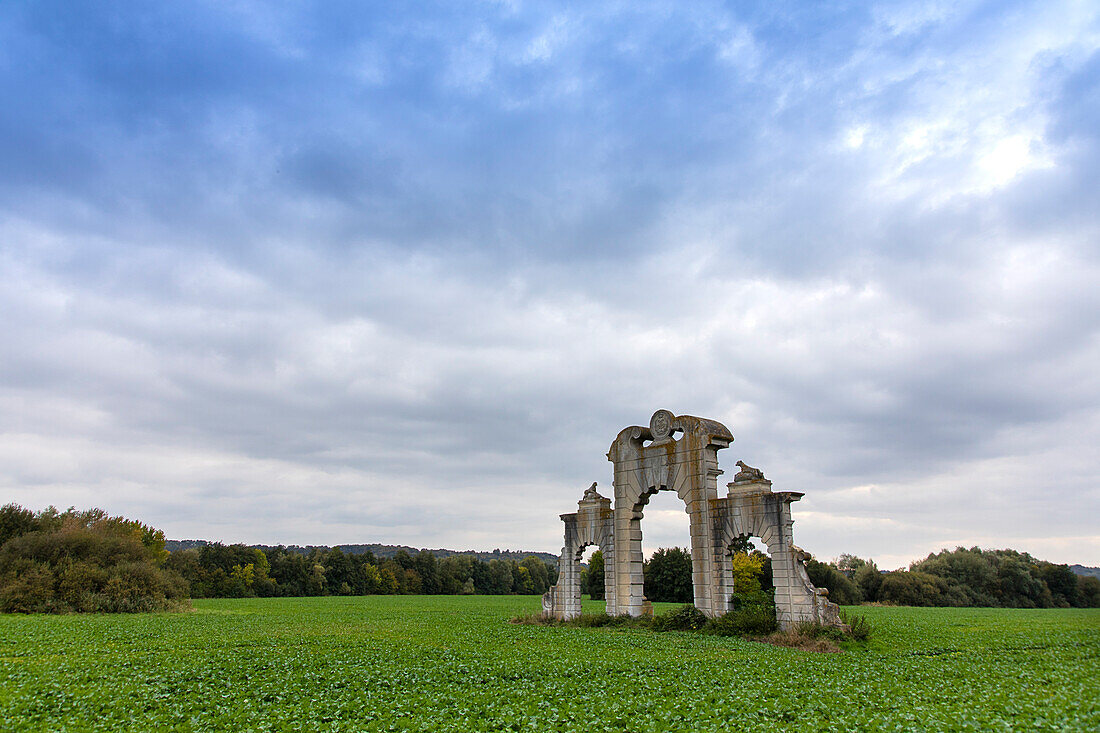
[680, 453]
[751, 509]
[647, 460]
[591, 524]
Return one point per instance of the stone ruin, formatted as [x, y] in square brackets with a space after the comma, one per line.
[680, 453]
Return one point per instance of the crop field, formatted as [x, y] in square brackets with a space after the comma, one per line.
[448, 663]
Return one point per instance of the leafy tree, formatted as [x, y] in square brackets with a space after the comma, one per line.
[1062, 583]
[403, 559]
[841, 589]
[425, 566]
[915, 588]
[482, 578]
[668, 576]
[742, 544]
[971, 575]
[245, 574]
[317, 580]
[339, 571]
[500, 577]
[551, 573]
[849, 564]
[369, 579]
[524, 585]
[1021, 585]
[540, 578]
[1088, 592]
[746, 571]
[388, 581]
[16, 521]
[594, 577]
[291, 572]
[453, 573]
[869, 580]
[409, 582]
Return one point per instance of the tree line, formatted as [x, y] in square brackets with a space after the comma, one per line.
[237, 571]
[959, 577]
[52, 561]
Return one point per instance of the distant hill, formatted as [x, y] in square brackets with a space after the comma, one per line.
[382, 550]
[1082, 570]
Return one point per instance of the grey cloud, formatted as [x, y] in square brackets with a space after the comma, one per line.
[355, 279]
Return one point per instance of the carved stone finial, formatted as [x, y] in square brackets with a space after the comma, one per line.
[590, 494]
[748, 473]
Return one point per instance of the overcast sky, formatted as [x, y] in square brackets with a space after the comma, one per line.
[316, 273]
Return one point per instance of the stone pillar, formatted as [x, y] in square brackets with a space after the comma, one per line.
[569, 584]
[627, 581]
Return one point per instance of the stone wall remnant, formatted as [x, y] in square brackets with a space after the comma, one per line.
[680, 453]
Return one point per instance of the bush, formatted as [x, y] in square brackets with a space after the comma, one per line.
[812, 630]
[859, 628]
[753, 614]
[684, 618]
[27, 587]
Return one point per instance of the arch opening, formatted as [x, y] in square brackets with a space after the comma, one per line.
[593, 575]
[665, 527]
[749, 564]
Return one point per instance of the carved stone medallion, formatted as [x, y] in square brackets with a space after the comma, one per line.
[660, 425]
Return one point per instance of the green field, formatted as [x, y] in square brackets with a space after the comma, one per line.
[449, 663]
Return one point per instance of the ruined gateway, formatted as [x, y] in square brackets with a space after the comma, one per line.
[680, 453]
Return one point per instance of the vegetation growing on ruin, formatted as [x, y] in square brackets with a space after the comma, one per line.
[453, 663]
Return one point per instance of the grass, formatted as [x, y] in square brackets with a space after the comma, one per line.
[456, 664]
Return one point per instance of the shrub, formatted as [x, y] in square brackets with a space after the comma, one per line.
[26, 587]
[859, 628]
[806, 637]
[684, 618]
[753, 614]
[812, 630]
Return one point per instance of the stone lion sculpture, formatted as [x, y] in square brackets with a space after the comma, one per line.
[748, 473]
